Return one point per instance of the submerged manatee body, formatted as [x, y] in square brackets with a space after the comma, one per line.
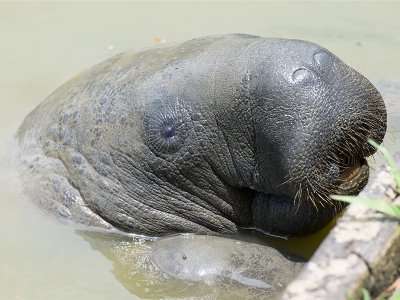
[205, 136]
[192, 266]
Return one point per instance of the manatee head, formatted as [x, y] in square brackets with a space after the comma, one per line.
[205, 136]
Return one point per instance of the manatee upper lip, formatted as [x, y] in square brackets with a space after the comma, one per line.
[353, 173]
[353, 169]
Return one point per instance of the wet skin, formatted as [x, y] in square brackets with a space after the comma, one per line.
[205, 136]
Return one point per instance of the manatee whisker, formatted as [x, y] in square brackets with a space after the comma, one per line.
[313, 202]
[298, 194]
[290, 179]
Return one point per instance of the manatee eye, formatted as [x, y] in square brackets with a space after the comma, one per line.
[302, 75]
[166, 130]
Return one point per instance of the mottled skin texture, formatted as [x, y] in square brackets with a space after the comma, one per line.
[205, 136]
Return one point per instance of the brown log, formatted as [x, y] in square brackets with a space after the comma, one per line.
[362, 250]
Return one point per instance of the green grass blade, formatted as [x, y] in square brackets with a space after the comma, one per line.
[365, 293]
[388, 208]
[393, 167]
[396, 296]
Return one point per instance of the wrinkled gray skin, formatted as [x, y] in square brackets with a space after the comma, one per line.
[205, 136]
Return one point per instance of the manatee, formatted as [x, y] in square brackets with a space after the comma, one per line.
[206, 136]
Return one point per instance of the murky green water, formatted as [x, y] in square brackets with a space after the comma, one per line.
[44, 44]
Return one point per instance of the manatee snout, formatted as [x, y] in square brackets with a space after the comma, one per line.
[324, 142]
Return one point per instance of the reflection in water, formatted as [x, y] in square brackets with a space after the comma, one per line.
[194, 266]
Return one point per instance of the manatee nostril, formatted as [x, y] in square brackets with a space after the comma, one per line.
[323, 59]
[302, 75]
